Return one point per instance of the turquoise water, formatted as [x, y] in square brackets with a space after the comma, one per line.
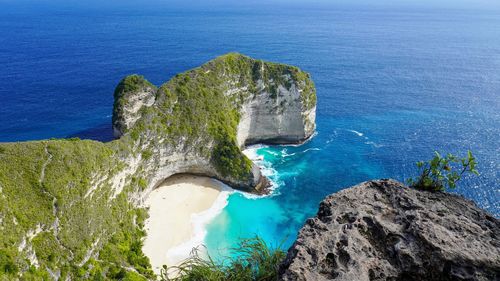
[343, 153]
[394, 84]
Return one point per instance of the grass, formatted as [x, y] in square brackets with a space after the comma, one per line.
[252, 260]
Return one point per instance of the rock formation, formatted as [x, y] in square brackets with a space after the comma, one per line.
[72, 209]
[382, 230]
[198, 121]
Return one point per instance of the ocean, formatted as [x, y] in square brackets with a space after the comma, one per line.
[393, 85]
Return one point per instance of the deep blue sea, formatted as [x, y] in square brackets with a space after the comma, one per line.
[393, 84]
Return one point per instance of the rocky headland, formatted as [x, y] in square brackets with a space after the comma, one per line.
[74, 209]
[198, 121]
[382, 230]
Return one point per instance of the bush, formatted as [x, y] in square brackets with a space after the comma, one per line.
[253, 260]
[7, 263]
[443, 172]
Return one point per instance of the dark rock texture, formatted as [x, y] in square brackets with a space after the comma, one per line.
[382, 230]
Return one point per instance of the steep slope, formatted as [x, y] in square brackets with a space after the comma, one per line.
[71, 208]
[198, 121]
[382, 230]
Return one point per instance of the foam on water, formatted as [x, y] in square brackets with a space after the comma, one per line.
[356, 132]
[302, 143]
[199, 222]
[266, 169]
[374, 144]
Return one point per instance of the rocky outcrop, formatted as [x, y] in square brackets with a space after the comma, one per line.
[278, 114]
[199, 121]
[382, 230]
[73, 208]
[131, 94]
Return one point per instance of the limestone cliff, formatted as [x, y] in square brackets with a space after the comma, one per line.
[198, 121]
[71, 209]
[382, 230]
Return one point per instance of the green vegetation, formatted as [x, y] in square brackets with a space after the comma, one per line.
[253, 260]
[229, 160]
[194, 105]
[44, 188]
[130, 84]
[67, 206]
[443, 172]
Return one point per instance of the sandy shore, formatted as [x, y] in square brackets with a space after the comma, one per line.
[178, 211]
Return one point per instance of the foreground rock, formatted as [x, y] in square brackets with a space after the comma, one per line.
[381, 230]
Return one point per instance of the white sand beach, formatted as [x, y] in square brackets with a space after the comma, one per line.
[178, 212]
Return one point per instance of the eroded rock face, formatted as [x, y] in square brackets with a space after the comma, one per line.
[276, 118]
[64, 201]
[199, 121]
[382, 230]
[129, 100]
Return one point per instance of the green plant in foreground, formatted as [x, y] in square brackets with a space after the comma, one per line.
[253, 260]
[443, 172]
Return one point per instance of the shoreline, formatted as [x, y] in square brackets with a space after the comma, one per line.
[181, 207]
[179, 210]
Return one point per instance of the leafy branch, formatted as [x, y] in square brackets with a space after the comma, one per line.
[443, 172]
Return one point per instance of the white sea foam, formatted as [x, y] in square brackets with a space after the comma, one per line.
[271, 174]
[311, 149]
[356, 132]
[306, 141]
[332, 137]
[251, 152]
[199, 222]
[284, 153]
[374, 144]
[266, 169]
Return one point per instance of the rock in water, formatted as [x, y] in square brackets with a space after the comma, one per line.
[382, 230]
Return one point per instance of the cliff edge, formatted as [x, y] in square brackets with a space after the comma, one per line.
[382, 230]
[199, 121]
[72, 209]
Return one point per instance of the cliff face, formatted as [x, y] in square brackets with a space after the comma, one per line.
[131, 94]
[71, 208]
[284, 112]
[381, 230]
[199, 121]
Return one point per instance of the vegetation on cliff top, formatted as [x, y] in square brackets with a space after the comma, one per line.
[441, 172]
[128, 85]
[60, 214]
[195, 105]
[49, 212]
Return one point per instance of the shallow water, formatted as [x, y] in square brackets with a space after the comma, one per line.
[393, 86]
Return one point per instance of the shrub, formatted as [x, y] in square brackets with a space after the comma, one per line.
[7, 264]
[253, 260]
[443, 172]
